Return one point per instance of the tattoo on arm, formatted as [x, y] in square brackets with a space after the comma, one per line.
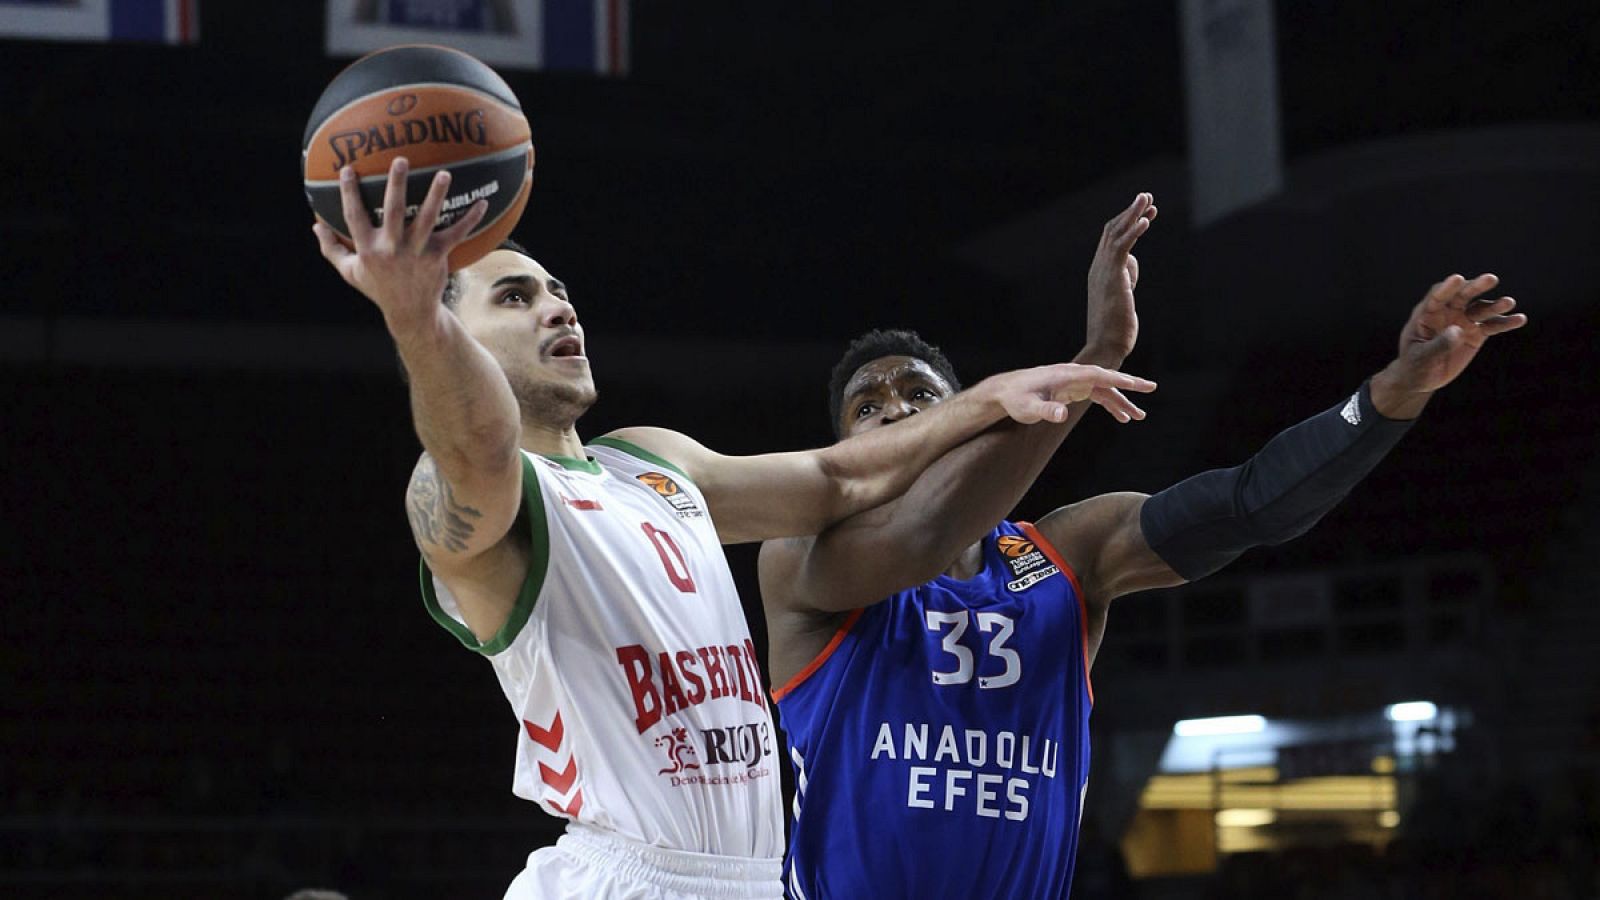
[436, 517]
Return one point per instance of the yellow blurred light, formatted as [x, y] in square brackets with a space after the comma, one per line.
[1383, 765]
[1389, 818]
[1330, 792]
[1245, 818]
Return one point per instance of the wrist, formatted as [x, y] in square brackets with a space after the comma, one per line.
[987, 395]
[1396, 397]
[416, 325]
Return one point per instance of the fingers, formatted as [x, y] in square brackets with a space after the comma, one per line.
[447, 240]
[334, 250]
[1126, 382]
[1120, 407]
[356, 218]
[1478, 286]
[1038, 409]
[1502, 324]
[428, 213]
[1483, 307]
[1456, 291]
[1482, 310]
[1109, 378]
[394, 202]
[328, 243]
[1125, 229]
[1440, 295]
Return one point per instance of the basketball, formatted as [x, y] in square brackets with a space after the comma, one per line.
[440, 109]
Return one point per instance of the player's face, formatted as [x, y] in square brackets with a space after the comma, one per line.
[524, 317]
[889, 389]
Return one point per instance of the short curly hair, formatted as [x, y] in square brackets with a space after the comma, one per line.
[876, 344]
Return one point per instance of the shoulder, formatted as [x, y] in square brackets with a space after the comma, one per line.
[671, 449]
[1092, 519]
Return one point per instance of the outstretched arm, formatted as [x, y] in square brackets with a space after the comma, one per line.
[1120, 543]
[466, 489]
[910, 540]
[754, 498]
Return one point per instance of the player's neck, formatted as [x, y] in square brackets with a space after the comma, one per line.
[967, 564]
[552, 440]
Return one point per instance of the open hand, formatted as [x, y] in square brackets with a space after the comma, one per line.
[1042, 394]
[1114, 273]
[1445, 332]
[1448, 328]
[400, 266]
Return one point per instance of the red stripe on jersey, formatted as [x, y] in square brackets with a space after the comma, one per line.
[560, 781]
[570, 809]
[815, 664]
[549, 738]
[1054, 556]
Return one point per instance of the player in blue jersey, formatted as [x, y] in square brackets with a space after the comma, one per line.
[939, 733]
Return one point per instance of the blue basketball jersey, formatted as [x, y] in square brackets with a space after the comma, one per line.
[940, 744]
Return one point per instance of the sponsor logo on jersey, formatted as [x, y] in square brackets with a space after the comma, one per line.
[582, 504]
[665, 682]
[682, 504]
[680, 751]
[731, 754]
[1027, 563]
[746, 745]
[990, 774]
[1014, 547]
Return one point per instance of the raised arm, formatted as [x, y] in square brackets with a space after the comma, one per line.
[466, 489]
[1120, 543]
[870, 555]
[754, 498]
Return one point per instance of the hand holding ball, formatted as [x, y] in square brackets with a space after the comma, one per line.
[440, 109]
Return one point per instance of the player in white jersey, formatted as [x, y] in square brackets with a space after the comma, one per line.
[592, 576]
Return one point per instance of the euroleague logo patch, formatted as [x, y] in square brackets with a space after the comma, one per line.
[1014, 547]
[668, 490]
[1028, 565]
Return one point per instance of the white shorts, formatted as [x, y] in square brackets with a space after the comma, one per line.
[591, 863]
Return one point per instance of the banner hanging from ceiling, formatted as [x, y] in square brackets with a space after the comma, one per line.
[564, 35]
[153, 21]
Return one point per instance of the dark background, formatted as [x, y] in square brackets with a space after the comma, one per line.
[216, 678]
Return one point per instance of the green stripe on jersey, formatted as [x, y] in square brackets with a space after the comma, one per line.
[538, 565]
[575, 465]
[636, 450]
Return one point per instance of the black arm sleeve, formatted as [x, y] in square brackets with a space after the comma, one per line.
[1201, 524]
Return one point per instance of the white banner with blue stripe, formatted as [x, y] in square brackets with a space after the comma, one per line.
[569, 35]
[154, 21]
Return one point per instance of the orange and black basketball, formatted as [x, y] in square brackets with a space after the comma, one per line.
[440, 109]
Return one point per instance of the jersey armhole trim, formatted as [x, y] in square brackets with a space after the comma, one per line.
[633, 449]
[538, 566]
[816, 662]
[1054, 555]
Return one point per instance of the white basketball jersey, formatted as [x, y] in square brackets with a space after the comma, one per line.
[628, 662]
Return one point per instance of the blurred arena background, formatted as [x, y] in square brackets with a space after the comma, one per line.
[217, 679]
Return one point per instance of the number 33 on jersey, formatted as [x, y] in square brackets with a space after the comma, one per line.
[944, 725]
